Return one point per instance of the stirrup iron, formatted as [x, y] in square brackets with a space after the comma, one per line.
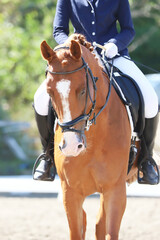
[141, 180]
[52, 175]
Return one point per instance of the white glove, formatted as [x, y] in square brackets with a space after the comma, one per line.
[111, 50]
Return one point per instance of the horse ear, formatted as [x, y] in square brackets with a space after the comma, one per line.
[46, 51]
[75, 50]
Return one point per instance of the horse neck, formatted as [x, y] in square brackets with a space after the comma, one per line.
[102, 87]
[102, 82]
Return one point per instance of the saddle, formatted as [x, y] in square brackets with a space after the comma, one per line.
[131, 96]
[130, 93]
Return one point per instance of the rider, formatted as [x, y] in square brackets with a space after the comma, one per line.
[97, 20]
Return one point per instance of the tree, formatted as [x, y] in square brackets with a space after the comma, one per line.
[23, 27]
[145, 47]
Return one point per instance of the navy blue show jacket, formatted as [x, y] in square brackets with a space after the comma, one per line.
[97, 20]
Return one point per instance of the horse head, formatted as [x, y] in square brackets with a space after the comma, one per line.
[71, 86]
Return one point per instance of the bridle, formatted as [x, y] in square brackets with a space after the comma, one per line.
[68, 126]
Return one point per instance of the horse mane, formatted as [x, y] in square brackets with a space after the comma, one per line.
[82, 40]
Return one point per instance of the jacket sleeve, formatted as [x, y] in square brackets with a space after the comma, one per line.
[61, 21]
[127, 32]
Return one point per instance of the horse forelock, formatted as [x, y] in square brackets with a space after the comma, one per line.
[62, 62]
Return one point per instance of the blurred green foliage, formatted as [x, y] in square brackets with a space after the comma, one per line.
[145, 47]
[25, 24]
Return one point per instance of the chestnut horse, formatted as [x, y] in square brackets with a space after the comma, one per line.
[88, 161]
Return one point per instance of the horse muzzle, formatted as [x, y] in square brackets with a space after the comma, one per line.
[72, 144]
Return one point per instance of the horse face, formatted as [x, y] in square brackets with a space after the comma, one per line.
[68, 94]
[70, 106]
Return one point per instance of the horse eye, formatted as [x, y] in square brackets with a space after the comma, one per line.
[83, 91]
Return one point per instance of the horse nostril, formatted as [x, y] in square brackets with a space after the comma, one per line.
[80, 146]
[62, 145]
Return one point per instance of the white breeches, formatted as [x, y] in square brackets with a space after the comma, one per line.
[41, 97]
[41, 100]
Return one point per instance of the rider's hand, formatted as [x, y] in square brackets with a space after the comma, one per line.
[111, 50]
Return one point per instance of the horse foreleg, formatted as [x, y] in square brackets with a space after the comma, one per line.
[84, 224]
[101, 221]
[76, 216]
[115, 209]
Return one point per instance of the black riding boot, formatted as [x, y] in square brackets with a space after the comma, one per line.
[46, 170]
[147, 165]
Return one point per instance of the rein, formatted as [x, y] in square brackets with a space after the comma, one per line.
[68, 126]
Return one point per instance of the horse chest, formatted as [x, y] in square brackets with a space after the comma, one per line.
[79, 178]
[85, 179]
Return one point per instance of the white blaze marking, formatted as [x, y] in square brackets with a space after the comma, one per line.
[71, 148]
[63, 87]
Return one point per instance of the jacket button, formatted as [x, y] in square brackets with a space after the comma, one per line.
[92, 11]
[93, 22]
[93, 33]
